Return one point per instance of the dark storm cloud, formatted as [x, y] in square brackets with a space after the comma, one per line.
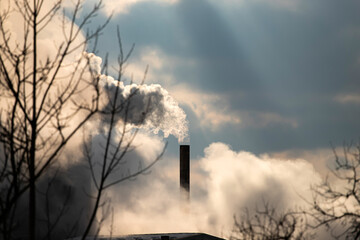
[263, 59]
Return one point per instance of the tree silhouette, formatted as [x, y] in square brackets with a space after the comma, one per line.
[47, 96]
[336, 203]
[267, 222]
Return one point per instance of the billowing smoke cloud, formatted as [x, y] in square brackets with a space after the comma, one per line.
[150, 106]
[240, 179]
[223, 182]
[64, 191]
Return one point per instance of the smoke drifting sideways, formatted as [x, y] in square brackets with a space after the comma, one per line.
[66, 188]
[151, 107]
[63, 192]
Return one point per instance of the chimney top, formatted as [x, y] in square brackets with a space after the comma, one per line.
[185, 168]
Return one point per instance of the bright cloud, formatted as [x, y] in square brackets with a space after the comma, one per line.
[322, 158]
[211, 110]
[240, 179]
[222, 183]
[150, 106]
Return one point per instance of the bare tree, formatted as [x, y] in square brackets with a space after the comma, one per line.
[336, 202]
[37, 102]
[267, 222]
[105, 171]
[46, 99]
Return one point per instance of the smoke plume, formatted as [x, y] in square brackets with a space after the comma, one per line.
[149, 107]
[64, 192]
[223, 182]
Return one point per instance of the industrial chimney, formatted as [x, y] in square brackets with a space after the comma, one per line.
[185, 170]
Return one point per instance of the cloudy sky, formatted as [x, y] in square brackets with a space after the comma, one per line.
[268, 80]
[262, 76]
[264, 87]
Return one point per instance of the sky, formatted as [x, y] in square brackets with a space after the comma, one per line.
[266, 85]
[260, 89]
[261, 76]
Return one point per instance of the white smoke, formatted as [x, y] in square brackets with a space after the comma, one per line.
[150, 106]
[162, 113]
[241, 179]
[223, 182]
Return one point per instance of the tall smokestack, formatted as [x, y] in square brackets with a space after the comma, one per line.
[185, 170]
